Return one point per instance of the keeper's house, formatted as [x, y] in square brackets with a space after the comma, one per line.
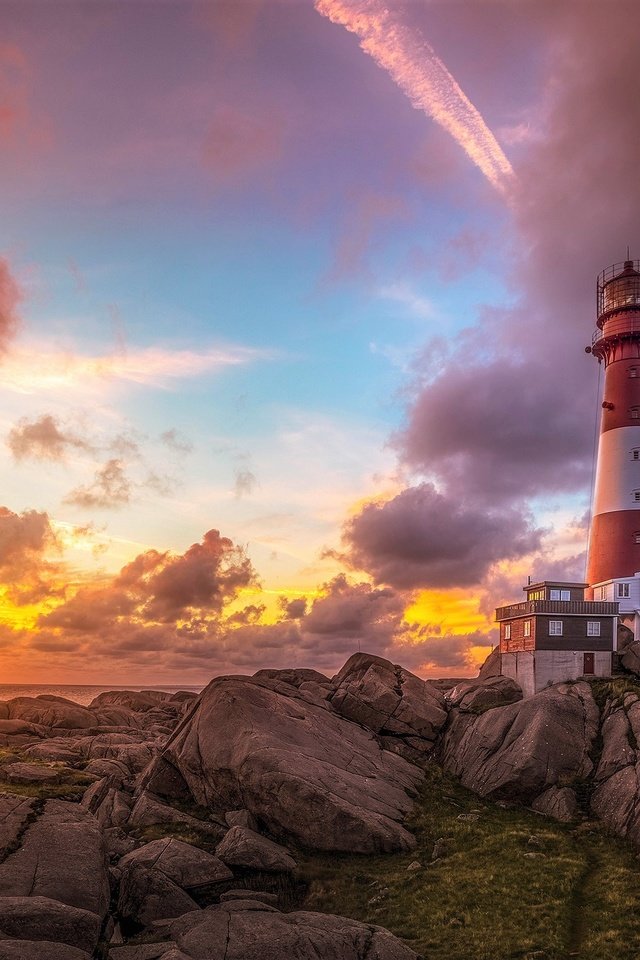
[555, 635]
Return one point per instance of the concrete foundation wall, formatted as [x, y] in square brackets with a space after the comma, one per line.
[535, 670]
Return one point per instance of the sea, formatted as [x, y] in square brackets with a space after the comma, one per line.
[79, 693]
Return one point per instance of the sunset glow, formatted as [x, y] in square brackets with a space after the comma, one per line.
[293, 306]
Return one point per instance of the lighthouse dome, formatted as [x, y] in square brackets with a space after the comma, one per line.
[619, 288]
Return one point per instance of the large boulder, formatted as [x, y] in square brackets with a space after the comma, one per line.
[51, 712]
[303, 771]
[389, 700]
[147, 895]
[630, 657]
[520, 750]
[484, 693]
[250, 930]
[40, 918]
[39, 950]
[616, 799]
[242, 847]
[60, 857]
[184, 864]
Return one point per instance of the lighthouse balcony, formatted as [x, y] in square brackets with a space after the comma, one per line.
[618, 327]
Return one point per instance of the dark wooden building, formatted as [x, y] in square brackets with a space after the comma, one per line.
[555, 635]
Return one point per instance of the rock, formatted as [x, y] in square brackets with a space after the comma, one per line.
[149, 811]
[115, 769]
[441, 848]
[519, 751]
[111, 807]
[630, 658]
[388, 700]
[476, 696]
[492, 665]
[294, 677]
[142, 951]
[261, 895]
[413, 866]
[18, 732]
[44, 919]
[186, 865]
[558, 802]
[241, 818]
[61, 858]
[301, 770]
[147, 895]
[39, 950]
[616, 799]
[15, 812]
[244, 848]
[239, 930]
[50, 712]
[136, 700]
[55, 750]
[29, 774]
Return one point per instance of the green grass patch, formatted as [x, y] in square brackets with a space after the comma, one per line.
[511, 885]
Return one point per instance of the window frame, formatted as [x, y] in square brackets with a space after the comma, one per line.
[623, 591]
[526, 628]
[594, 628]
[553, 628]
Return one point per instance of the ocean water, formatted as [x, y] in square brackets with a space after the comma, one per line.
[79, 693]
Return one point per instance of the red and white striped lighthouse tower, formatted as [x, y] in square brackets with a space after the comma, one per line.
[614, 543]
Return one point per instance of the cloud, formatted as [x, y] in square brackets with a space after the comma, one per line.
[38, 367]
[245, 482]
[422, 538]
[26, 539]
[111, 488]
[159, 599]
[176, 441]
[10, 297]
[413, 64]
[42, 439]
[494, 430]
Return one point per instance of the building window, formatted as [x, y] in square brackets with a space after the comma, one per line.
[561, 594]
[507, 631]
[536, 595]
[555, 628]
[633, 371]
[623, 590]
[527, 628]
[593, 628]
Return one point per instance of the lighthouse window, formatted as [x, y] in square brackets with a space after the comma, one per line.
[634, 413]
[633, 371]
[623, 590]
[635, 454]
[593, 628]
[555, 628]
[636, 536]
[636, 494]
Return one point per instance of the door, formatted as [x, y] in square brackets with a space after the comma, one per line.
[589, 663]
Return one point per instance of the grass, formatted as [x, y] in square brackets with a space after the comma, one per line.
[71, 783]
[512, 885]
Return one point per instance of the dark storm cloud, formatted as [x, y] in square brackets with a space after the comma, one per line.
[423, 538]
[499, 430]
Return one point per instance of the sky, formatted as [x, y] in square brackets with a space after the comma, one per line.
[294, 296]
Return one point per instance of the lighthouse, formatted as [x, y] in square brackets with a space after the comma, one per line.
[614, 543]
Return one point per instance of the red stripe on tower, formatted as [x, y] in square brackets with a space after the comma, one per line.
[614, 543]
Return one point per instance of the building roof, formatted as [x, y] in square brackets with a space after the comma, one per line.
[555, 583]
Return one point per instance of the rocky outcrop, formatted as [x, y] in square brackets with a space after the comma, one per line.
[248, 928]
[242, 847]
[301, 769]
[483, 693]
[630, 657]
[186, 865]
[37, 918]
[521, 750]
[147, 895]
[391, 702]
[616, 799]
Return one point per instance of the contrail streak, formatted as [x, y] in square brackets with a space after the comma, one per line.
[414, 65]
